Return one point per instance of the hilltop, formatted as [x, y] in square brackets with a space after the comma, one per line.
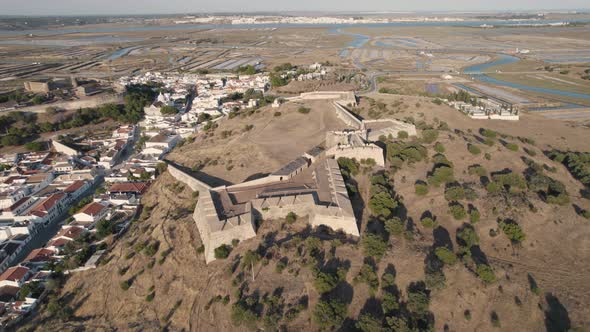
[518, 263]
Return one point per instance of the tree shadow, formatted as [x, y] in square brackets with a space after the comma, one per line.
[442, 238]
[556, 315]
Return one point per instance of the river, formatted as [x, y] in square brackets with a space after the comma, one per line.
[477, 72]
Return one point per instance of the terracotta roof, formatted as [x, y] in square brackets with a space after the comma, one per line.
[126, 187]
[49, 202]
[92, 209]
[58, 242]
[70, 232]
[75, 186]
[18, 203]
[14, 273]
[40, 255]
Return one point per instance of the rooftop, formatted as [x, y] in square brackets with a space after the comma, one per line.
[14, 273]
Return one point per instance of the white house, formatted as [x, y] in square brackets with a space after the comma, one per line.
[91, 213]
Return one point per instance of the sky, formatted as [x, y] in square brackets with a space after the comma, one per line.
[124, 7]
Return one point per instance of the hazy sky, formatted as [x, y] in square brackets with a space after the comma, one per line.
[64, 7]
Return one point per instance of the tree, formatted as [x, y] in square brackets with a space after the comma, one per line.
[329, 314]
[440, 175]
[468, 236]
[457, 211]
[104, 228]
[394, 226]
[222, 251]
[251, 258]
[454, 193]
[428, 222]
[374, 245]
[369, 323]
[168, 110]
[324, 282]
[382, 204]
[513, 231]
[402, 134]
[445, 255]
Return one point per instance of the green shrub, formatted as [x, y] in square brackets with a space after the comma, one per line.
[585, 214]
[402, 134]
[441, 175]
[304, 110]
[454, 193]
[512, 147]
[222, 251]
[428, 222]
[445, 255]
[477, 170]
[277, 114]
[486, 274]
[421, 189]
[467, 315]
[468, 237]
[457, 211]
[429, 136]
[473, 149]
[513, 231]
[150, 296]
[488, 156]
[291, 217]
[474, 216]
[125, 284]
[488, 133]
[368, 275]
[394, 226]
[281, 265]
[438, 147]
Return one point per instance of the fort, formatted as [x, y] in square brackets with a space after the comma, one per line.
[310, 185]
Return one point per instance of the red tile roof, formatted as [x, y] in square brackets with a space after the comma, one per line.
[18, 203]
[14, 273]
[48, 203]
[75, 186]
[72, 232]
[40, 255]
[58, 242]
[92, 209]
[126, 187]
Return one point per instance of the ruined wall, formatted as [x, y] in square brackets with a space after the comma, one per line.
[185, 178]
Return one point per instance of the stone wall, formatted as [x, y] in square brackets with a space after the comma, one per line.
[194, 184]
[215, 232]
[344, 115]
[62, 148]
[358, 152]
[393, 130]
